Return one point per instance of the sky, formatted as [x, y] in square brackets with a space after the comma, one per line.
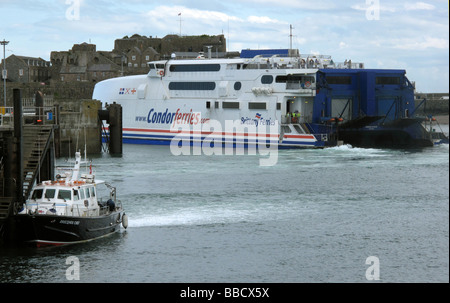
[401, 34]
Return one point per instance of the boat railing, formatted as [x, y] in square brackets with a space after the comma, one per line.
[104, 209]
[295, 120]
[305, 61]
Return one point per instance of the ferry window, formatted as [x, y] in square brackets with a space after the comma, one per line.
[37, 194]
[281, 79]
[86, 191]
[298, 129]
[267, 79]
[292, 78]
[387, 80]
[257, 105]
[339, 80]
[230, 105]
[192, 85]
[286, 129]
[64, 194]
[237, 86]
[195, 68]
[216, 105]
[278, 106]
[208, 104]
[50, 193]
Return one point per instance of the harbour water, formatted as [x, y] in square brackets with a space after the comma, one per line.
[315, 216]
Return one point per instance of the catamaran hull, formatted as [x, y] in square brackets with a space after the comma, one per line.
[402, 133]
[239, 140]
[53, 230]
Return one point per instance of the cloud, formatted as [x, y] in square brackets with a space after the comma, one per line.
[419, 6]
[374, 6]
[170, 12]
[420, 45]
[263, 20]
[342, 45]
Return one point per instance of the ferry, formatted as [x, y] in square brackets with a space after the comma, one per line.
[69, 210]
[272, 97]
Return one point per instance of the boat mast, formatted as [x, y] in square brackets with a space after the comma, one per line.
[290, 37]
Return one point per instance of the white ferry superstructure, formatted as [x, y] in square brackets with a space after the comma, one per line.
[196, 97]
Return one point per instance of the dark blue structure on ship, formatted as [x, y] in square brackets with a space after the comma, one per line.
[368, 108]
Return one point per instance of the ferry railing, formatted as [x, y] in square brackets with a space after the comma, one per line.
[295, 120]
[302, 62]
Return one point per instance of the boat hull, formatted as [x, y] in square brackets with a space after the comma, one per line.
[402, 133]
[54, 230]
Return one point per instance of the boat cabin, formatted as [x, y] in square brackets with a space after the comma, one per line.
[75, 198]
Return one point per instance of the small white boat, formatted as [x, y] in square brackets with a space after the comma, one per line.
[69, 210]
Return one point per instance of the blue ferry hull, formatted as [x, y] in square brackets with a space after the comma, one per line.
[402, 133]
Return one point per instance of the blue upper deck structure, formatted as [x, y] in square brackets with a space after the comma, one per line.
[266, 53]
[369, 108]
[355, 93]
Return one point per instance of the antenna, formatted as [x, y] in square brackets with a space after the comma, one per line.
[179, 15]
[290, 36]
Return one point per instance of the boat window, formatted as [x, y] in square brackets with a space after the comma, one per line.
[387, 80]
[64, 194]
[192, 85]
[339, 80]
[50, 193]
[237, 86]
[75, 195]
[267, 79]
[286, 129]
[82, 194]
[230, 105]
[92, 189]
[195, 68]
[37, 194]
[257, 105]
[86, 191]
[298, 129]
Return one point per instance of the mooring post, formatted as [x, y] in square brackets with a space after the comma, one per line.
[115, 129]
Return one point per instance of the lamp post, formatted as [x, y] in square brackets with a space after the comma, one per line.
[4, 43]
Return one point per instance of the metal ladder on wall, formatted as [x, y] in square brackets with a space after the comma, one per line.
[36, 142]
